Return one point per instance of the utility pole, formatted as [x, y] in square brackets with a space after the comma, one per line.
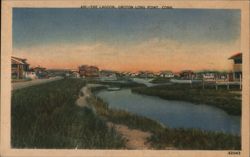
[240, 81]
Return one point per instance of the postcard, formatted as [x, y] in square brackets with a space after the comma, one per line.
[116, 78]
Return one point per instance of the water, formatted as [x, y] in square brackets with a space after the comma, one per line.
[174, 114]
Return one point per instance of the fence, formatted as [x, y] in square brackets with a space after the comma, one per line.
[211, 82]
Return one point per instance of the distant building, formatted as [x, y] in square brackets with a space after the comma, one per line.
[31, 75]
[166, 74]
[88, 71]
[40, 72]
[108, 75]
[237, 66]
[133, 74]
[187, 74]
[19, 68]
[75, 74]
[146, 74]
[211, 75]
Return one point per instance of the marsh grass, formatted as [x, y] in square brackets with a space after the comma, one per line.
[45, 116]
[187, 139]
[222, 98]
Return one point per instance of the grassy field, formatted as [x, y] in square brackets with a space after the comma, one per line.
[162, 137]
[46, 116]
[222, 98]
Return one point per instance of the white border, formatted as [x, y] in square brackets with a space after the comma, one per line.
[6, 49]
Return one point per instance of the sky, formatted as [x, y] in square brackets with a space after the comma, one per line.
[127, 39]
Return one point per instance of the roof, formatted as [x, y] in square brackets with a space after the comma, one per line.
[186, 71]
[166, 72]
[236, 56]
[39, 68]
[19, 60]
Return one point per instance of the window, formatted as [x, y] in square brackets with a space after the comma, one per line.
[238, 61]
[14, 65]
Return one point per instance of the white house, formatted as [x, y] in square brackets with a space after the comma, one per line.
[31, 74]
[166, 74]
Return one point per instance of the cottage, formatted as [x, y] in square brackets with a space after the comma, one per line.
[40, 72]
[19, 68]
[75, 74]
[88, 71]
[166, 74]
[31, 75]
[133, 74]
[108, 75]
[187, 74]
[146, 74]
[237, 66]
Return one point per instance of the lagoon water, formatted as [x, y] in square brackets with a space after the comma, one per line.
[174, 114]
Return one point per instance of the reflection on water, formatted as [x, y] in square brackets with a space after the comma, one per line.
[173, 114]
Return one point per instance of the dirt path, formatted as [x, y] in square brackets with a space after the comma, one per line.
[84, 94]
[136, 139]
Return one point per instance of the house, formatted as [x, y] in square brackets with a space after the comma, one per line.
[146, 74]
[108, 75]
[237, 66]
[166, 74]
[88, 71]
[187, 74]
[124, 74]
[206, 75]
[133, 74]
[40, 72]
[74, 73]
[31, 75]
[19, 68]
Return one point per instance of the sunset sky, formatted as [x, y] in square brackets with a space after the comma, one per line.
[127, 39]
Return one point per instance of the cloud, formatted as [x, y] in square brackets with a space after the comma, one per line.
[152, 54]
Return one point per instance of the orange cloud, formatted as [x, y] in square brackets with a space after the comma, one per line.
[153, 55]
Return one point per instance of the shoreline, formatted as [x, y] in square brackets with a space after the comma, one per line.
[228, 101]
[158, 132]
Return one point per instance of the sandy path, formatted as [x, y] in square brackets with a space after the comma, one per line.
[136, 139]
[19, 85]
[84, 94]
